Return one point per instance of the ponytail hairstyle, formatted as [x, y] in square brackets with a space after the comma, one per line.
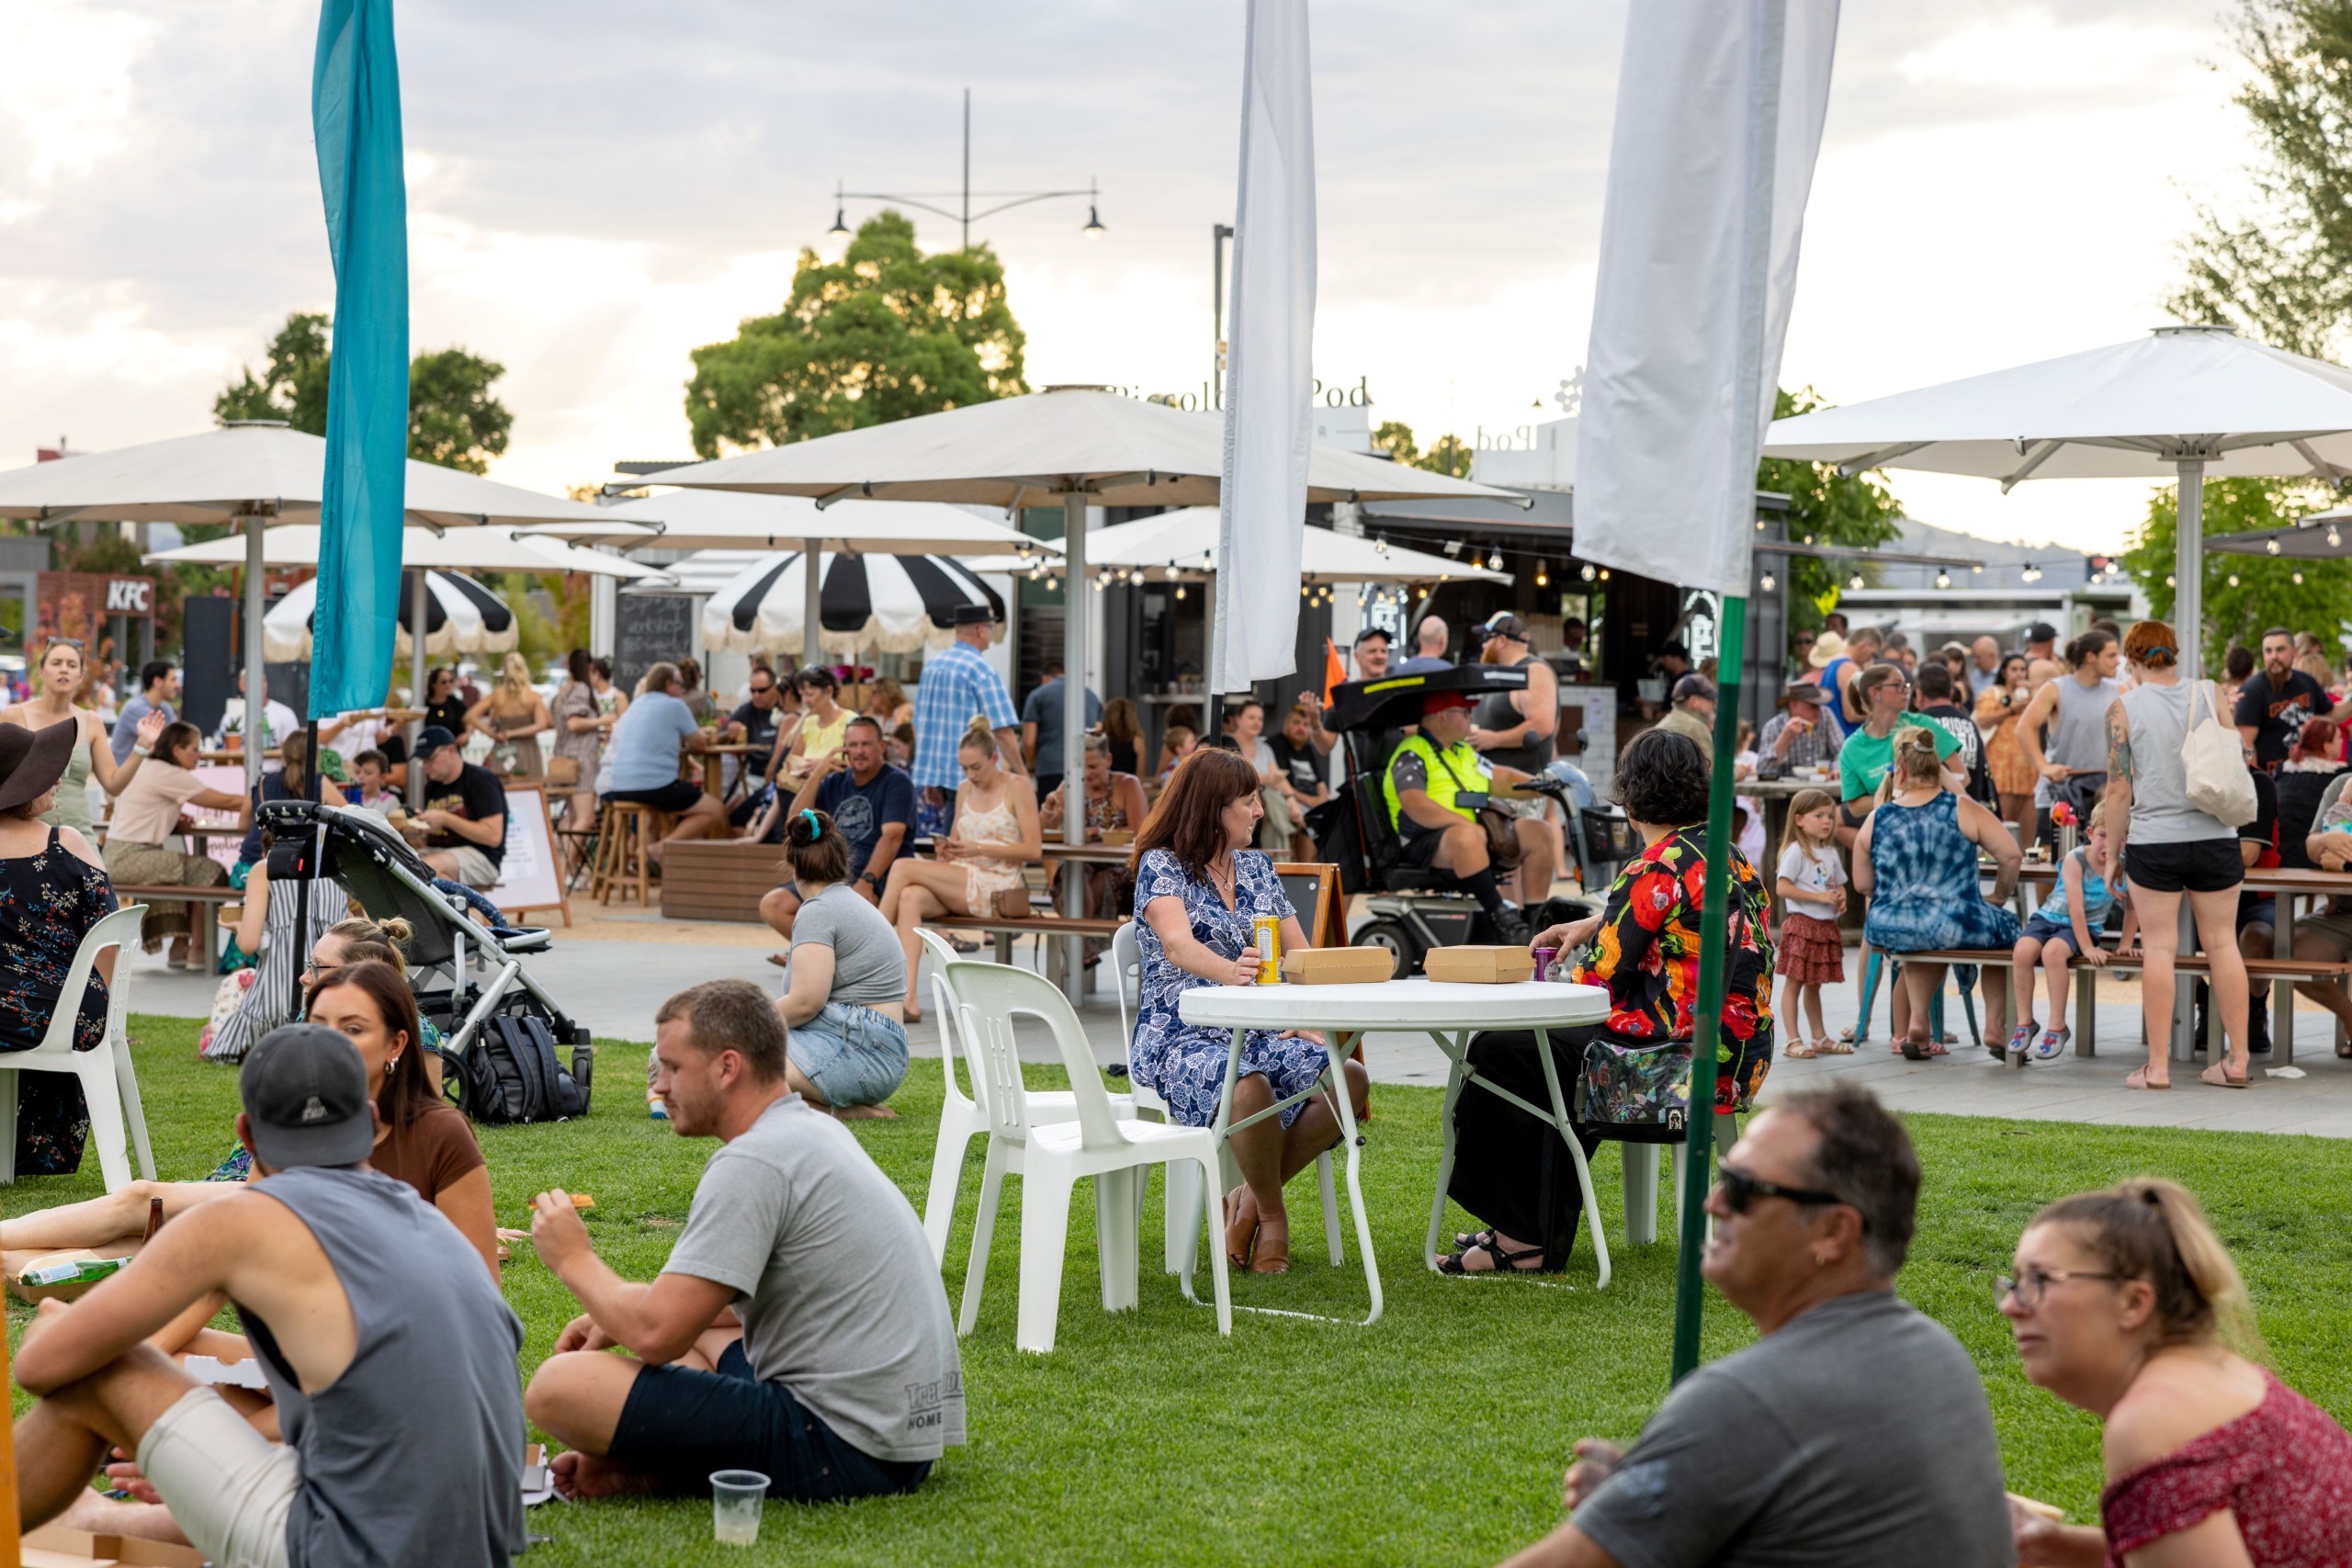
[2086, 648]
[2152, 645]
[1805, 803]
[815, 849]
[1915, 761]
[2151, 1229]
[979, 736]
[384, 942]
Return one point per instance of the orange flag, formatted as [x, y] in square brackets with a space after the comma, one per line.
[1334, 673]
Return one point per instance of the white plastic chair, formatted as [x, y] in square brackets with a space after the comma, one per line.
[1051, 1159]
[1183, 1201]
[963, 1117]
[109, 1086]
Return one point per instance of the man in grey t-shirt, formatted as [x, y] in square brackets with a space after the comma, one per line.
[799, 1328]
[1855, 1431]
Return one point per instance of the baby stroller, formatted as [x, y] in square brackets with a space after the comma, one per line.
[1415, 909]
[462, 973]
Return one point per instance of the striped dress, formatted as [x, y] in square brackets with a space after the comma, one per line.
[269, 1001]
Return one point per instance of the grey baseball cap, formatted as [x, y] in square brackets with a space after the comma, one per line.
[305, 1091]
[1694, 685]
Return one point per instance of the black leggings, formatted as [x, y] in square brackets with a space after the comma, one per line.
[1510, 1170]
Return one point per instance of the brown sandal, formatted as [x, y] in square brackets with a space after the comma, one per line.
[1240, 1258]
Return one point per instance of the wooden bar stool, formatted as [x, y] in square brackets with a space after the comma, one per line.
[628, 828]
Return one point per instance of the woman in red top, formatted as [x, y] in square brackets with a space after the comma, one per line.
[2124, 1303]
[1643, 947]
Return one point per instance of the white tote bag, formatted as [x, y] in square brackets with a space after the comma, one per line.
[2212, 763]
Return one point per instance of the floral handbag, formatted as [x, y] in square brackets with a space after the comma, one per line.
[1639, 1093]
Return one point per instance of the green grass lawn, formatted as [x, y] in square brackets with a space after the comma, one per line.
[1437, 1436]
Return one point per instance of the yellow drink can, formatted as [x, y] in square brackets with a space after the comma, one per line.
[1266, 936]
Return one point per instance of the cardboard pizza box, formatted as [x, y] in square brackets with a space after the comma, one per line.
[54, 1546]
[1338, 965]
[1479, 965]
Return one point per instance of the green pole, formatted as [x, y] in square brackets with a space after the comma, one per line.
[1690, 1290]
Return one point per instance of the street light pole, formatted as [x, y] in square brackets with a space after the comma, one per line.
[961, 214]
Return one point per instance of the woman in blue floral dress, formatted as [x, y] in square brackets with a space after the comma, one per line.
[1198, 888]
[52, 890]
[1915, 860]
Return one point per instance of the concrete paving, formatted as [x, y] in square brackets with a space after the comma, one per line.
[613, 971]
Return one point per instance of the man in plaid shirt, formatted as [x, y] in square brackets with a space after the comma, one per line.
[958, 682]
[1801, 737]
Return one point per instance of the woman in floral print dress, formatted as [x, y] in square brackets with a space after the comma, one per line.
[1198, 889]
[1644, 949]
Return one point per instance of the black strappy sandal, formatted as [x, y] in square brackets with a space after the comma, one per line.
[1464, 1240]
[1506, 1260]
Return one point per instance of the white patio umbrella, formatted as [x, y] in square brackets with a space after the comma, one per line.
[1071, 448]
[252, 476]
[1183, 543]
[897, 604]
[2182, 404]
[458, 549]
[460, 616]
[722, 520]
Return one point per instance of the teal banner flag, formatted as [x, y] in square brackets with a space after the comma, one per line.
[356, 114]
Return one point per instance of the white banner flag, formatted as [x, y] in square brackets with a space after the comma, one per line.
[1719, 113]
[1270, 374]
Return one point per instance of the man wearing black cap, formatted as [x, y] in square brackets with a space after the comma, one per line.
[1373, 646]
[464, 808]
[1515, 729]
[346, 1280]
[2042, 641]
[959, 684]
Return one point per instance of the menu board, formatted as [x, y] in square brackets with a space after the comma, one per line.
[530, 876]
[648, 629]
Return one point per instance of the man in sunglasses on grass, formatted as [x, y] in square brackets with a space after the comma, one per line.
[1855, 1431]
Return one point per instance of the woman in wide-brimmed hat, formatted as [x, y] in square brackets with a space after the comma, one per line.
[52, 892]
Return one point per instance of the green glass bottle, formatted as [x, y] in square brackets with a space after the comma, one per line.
[71, 1271]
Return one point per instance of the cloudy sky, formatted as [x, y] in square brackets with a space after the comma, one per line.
[597, 187]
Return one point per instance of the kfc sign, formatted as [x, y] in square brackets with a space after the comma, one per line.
[130, 596]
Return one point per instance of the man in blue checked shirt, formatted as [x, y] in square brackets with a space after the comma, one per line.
[958, 683]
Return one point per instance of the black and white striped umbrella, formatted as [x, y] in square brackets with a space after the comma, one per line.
[895, 604]
[460, 616]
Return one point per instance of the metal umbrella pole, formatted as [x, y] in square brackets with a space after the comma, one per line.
[256, 670]
[813, 602]
[419, 609]
[1074, 647]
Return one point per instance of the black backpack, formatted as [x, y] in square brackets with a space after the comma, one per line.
[510, 1074]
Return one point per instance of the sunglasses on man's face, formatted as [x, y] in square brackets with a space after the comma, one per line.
[1740, 1190]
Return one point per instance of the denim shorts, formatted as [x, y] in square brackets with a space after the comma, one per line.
[854, 1054]
[2040, 927]
[686, 1423]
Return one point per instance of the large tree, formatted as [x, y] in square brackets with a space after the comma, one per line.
[883, 333]
[1824, 508]
[2279, 264]
[453, 420]
[1449, 454]
[2277, 267]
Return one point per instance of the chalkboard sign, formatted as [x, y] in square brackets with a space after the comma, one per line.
[529, 877]
[652, 627]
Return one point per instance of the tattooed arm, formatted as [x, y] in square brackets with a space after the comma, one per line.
[2118, 783]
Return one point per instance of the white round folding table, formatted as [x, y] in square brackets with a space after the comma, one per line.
[1449, 1014]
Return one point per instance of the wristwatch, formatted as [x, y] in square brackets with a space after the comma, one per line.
[872, 881]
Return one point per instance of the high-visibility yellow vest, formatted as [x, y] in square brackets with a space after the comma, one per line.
[1456, 771]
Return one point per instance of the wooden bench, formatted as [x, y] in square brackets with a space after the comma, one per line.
[207, 903]
[2085, 980]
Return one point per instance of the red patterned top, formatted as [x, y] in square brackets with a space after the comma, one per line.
[1647, 953]
[2284, 1468]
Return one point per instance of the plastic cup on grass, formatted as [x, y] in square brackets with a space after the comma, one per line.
[735, 1499]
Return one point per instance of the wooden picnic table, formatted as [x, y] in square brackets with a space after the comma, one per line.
[2289, 882]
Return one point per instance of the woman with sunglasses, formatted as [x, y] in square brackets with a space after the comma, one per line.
[63, 675]
[2126, 1304]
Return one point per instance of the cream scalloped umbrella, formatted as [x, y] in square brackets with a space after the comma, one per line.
[251, 476]
[1068, 449]
[2182, 404]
